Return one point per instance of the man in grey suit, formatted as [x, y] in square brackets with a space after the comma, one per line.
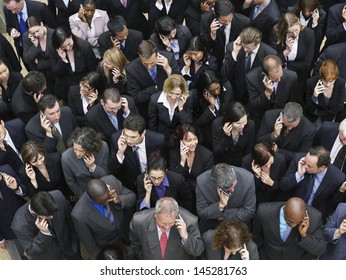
[98, 215]
[288, 231]
[225, 193]
[165, 232]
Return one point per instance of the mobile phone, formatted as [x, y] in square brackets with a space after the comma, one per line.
[178, 216]
[281, 117]
[316, 11]
[225, 192]
[81, 8]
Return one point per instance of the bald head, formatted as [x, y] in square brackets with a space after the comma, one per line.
[294, 211]
[97, 190]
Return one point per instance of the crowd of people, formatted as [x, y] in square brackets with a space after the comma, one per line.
[173, 129]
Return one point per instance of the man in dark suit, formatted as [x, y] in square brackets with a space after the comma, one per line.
[44, 227]
[130, 149]
[314, 179]
[17, 12]
[147, 73]
[12, 137]
[27, 94]
[288, 231]
[245, 53]
[288, 135]
[118, 35]
[225, 193]
[11, 199]
[221, 27]
[336, 25]
[52, 126]
[62, 10]
[166, 232]
[98, 215]
[108, 116]
[269, 87]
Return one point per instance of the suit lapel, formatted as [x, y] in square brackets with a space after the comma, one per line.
[153, 239]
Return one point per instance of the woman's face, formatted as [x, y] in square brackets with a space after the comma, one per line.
[107, 64]
[4, 73]
[190, 140]
[37, 31]
[78, 151]
[233, 251]
[174, 94]
[67, 45]
[328, 84]
[85, 88]
[239, 125]
[157, 176]
[196, 56]
[268, 163]
[214, 89]
[307, 12]
[39, 162]
[294, 31]
[89, 11]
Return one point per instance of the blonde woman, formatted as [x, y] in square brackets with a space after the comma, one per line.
[171, 106]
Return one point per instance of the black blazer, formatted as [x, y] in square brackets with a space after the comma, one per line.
[178, 189]
[224, 149]
[61, 12]
[327, 111]
[99, 120]
[8, 55]
[134, 38]
[128, 171]
[234, 71]
[335, 31]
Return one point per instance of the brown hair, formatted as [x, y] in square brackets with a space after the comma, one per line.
[286, 21]
[31, 150]
[262, 153]
[251, 35]
[181, 131]
[329, 71]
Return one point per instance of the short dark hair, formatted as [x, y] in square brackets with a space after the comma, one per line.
[164, 25]
[47, 101]
[111, 94]
[116, 24]
[234, 112]
[117, 251]
[147, 48]
[95, 81]
[223, 8]
[156, 162]
[33, 82]
[43, 204]
[323, 155]
[135, 123]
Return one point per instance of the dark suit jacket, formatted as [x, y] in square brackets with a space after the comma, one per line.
[266, 234]
[146, 244]
[239, 22]
[224, 149]
[128, 171]
[34, 130]
[178, 189]
[34, 8]
[327, 111]
[99, 120]
[234, 71]
[299, 139]
[328, 188]
[9, 203]
[47, 247]
[134, 38]
[335, 31]
[61, 12]
[8, 55]
[94, 230]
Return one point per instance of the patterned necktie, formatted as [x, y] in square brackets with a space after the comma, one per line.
[340, 158]
[109, 214]
[256, 12]
[60, 146]
[248, 62]
[163, 244]
[124, 3]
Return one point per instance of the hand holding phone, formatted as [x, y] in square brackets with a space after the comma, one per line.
[42, 224]
[181, 226]
[148, 185]
[30, 171]
[281, 119]
[244, 253]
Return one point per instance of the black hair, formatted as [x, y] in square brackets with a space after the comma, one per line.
[156, 162]
[42, 203]
[164, 25]
[116, 24]
[33, 82]
[223, 8]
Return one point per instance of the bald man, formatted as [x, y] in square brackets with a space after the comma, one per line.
[288, 231]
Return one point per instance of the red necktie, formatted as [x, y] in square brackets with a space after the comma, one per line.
[163, 244]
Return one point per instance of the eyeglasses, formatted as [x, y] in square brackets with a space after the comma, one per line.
[86, 87]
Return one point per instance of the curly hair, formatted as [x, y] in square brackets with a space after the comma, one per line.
[88, 138]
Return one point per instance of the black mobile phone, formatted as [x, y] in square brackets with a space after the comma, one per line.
[225, 192]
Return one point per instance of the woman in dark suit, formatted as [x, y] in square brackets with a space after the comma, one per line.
[171, 107]
[159, 182]
[325, 94]
[71, 58]
[230, 241]
[233, 135]
[41, 171]
[82, 97]
[268, 168]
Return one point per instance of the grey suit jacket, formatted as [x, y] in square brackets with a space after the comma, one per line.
[145, 239]
[93, 229]
[241, 204]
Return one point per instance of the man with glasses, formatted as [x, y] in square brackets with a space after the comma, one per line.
[130, 149]
[225, 193]
[288, 231]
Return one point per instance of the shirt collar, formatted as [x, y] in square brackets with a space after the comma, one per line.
[255, 50]
[163, 99]
[25, 9]
[282, 217]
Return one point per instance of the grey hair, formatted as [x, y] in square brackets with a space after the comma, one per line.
[223, 175]
[292, 111]
[342, 127]
[166, 206]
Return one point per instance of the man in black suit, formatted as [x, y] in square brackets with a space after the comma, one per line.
[288, 231]
[264, 14]
[27, 94]
[17, 12]
[147, 73]
[118, 35]
[108, 116]
[288, 133]
[221, 27]
[12, 137]
[52, 126]
[245, 53]
[336, 24]
[62, 10]
[130, 149]
[269, 87]
[314, 179]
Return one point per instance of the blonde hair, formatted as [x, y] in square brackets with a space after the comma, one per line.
[286, 22]
[117, 59]
[175, 81]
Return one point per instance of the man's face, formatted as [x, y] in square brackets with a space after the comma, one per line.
[111, 107]
[157, 176]
[121, 36]
[133, 137]
[150, 62]
[231, 189]
[290, 125]
[275, 74]
[53, 114]
[165, 222]
[311, 164]
[225, 20]
[15, 7]
[342, 138]
[293, 219]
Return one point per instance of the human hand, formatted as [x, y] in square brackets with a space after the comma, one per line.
[342, 228]
[14, 33]
[33, 40]
[81, 13]
[30, 172]
[224, 197]
[301, 167]
[268, 86]
[265, 178]
[214, 26]
[278, 127]
[237, 45]
[182, 101]
[227, 128]
[163, 61]
[181, 226]
[125, 105]
[289, 42]
[45, 123]
[183, 152]
[256, 169]
[61, 53]
[122, 143]
[113, 195]
[10, 181]
[304, 226]
[89, 160]
[343, 187]
[187, 60]
[165, 41]
[4, 245]
[319, 88]
[244, 253]
[315, 16]
[37, 96]
[210, 98]
[115, 42]
[92, 97]
[42, 225]
[115, 74]
[204, 7]
[148, 185]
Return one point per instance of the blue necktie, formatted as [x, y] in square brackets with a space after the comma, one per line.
[286, 233]
[310, 191]
[114, 121]
[109, 214]
[152, 73]
[256, 12]
[22, 25]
